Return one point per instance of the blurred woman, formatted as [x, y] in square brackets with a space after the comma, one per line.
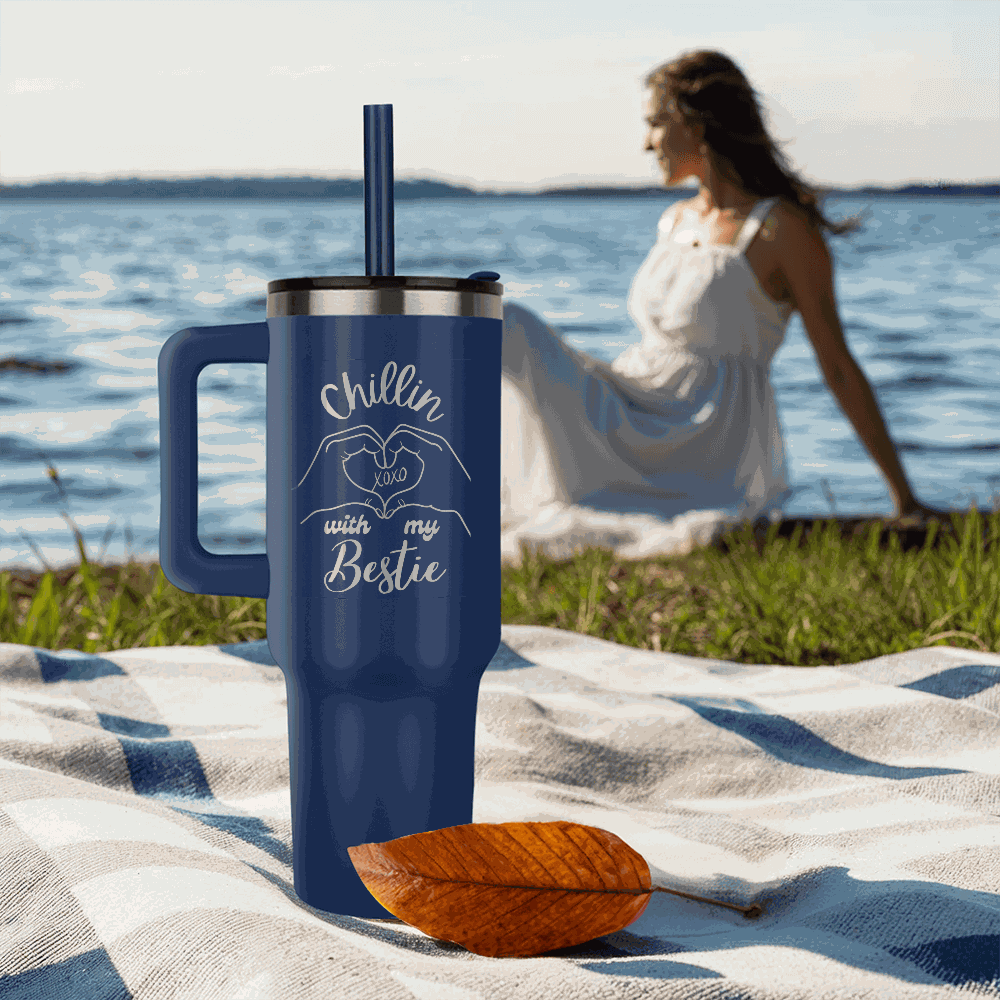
[679, 436]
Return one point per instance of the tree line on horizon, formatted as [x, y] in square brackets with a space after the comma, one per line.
[403, 190]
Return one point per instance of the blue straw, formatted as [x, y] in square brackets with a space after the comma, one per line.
[379, 236]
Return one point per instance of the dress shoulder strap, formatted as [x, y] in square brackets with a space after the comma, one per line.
[668, 220]
[753, 222]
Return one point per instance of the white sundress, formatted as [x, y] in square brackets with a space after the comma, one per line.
[661, 449]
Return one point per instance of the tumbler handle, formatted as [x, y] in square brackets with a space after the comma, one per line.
[185, 562]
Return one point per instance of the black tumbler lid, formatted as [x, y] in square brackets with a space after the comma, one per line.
[377, 281]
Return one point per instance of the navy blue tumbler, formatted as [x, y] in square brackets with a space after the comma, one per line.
[382, 568]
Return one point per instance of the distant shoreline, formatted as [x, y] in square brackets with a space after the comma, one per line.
[318, 189]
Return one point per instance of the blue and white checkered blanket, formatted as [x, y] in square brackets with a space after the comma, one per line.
[145, 838]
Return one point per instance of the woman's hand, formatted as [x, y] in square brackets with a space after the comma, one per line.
[916, 515]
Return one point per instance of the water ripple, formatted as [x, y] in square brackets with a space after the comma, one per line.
[89, 293]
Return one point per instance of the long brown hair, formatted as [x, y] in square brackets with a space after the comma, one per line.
[710, 91]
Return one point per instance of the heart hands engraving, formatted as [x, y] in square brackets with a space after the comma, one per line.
[387, 473]
[384, 472]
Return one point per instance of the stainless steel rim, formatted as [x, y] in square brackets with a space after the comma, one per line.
[384, 302]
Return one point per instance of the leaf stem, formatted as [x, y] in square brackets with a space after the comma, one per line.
[754, 910]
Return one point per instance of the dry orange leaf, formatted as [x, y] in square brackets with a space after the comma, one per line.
[512, 889]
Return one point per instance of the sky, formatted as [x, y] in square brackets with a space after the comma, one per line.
[514, 95]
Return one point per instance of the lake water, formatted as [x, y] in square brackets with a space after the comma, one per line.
[101, 285]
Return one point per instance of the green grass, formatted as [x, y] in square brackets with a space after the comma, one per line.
[806, 600]
[815, 598]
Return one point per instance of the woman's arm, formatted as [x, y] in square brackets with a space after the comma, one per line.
[808, 271]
